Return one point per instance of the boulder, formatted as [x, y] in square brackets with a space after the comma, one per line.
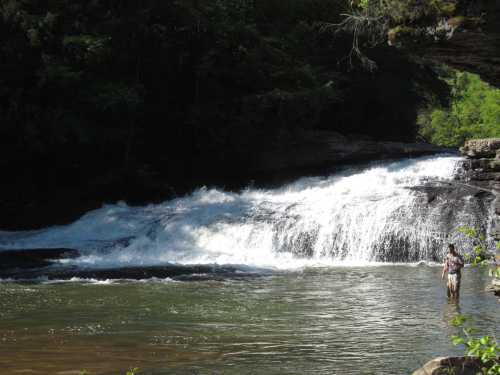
[479, 175]
[450, 365]
[481, 148]
[494, 287]
[453, 192]
[487, 165]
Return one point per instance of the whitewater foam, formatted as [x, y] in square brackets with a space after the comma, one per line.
[356, 217]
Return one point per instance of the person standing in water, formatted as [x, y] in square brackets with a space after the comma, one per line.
[453, 264]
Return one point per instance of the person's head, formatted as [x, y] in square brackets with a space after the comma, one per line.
[451, 249]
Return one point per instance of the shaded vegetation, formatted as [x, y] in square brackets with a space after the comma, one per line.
[404, 23]
[121, 100]
[474, 112]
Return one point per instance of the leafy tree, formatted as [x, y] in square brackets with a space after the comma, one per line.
[106, 90]
[474, 113]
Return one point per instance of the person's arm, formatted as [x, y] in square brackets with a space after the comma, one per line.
[445, 268]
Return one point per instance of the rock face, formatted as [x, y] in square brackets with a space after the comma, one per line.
[483, 170]
[326, 148]
[482, 148]
[474, 49]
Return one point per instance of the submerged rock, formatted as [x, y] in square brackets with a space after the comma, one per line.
[169, 271]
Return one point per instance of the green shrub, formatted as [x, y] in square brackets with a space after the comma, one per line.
[485, 348]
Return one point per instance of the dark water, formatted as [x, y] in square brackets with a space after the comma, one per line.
[370, 320]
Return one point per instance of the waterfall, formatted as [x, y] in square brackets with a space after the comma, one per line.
[373, 214]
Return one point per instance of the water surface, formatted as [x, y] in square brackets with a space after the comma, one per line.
[336, 320]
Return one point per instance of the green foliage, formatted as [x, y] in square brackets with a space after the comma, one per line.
[485, 348]
[406, 11]
[411, 11]
[474, 113]
[382, 20]
[190, 64]
[184, 89]
[363, 4]
[479, 254]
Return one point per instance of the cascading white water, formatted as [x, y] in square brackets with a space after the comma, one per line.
[353, 217]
